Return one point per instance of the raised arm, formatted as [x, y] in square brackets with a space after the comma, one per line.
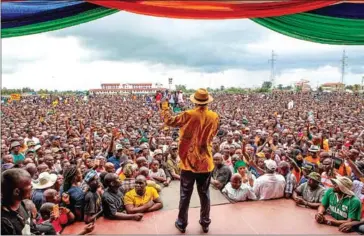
[174, 121]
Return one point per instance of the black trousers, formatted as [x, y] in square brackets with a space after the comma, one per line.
[188, 179]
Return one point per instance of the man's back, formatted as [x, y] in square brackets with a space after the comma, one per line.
[197, 129]
[269, 186]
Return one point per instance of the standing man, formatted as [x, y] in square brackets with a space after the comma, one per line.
[16, 185]
[197, 130]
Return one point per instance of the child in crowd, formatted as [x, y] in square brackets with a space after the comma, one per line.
[157, 174]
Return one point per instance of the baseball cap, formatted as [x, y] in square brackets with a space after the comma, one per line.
[270, 164]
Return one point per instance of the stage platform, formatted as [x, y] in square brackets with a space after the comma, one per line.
[259, 217]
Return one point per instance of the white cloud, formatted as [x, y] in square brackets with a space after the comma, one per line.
[64, 63]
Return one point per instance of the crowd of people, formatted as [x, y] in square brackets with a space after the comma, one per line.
[110, 156]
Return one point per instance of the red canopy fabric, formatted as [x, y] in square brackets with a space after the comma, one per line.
[215, 9]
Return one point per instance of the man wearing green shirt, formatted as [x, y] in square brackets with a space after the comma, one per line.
[15, 152]
[343, 204]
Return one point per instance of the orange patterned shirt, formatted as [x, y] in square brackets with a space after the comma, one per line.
[197, 129]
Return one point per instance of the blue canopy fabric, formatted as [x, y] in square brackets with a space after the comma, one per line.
[343, 10]
[16, 14]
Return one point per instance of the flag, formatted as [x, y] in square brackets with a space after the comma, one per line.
[55, 103]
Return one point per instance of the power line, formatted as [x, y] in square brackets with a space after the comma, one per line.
[344, 64]
[272, 62]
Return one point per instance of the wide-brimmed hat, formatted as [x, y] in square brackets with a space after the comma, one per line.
[201, 97]
[37, 147]
[45, 180]
[14, 144]
[344, 184]
[314, 148]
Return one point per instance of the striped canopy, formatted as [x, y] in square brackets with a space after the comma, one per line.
[323, 21]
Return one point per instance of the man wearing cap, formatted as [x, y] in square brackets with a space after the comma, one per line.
[309, 194]
[270, 185]
[15, 152]
[172, 163]
[197, 129]
[313, 156]
[55, 141]
[92, 197]
[116, 158]
[343, 204]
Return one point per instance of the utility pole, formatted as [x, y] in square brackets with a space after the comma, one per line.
[272, 62]
[343, 67]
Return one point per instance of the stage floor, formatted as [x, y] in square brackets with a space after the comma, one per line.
[259, 217]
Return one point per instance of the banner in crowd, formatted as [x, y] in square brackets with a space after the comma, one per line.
[15, 97]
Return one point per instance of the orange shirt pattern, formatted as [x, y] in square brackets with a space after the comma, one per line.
[326, 145]
[312, 160]
[197, 129]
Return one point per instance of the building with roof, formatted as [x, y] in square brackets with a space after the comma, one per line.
[333, 86]
[128, 88]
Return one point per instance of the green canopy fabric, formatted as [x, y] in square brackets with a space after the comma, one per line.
[58, 24]
[317, 28]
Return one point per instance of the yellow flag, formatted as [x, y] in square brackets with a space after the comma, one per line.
[55, 103]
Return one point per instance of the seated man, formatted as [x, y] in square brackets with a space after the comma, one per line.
[291, 182]
[221, 173]
[270, 185]
[142, 198]
[344, 206]
[150, 183]
[310, 193]
[236, 191]
[112, 200]
[130, 171]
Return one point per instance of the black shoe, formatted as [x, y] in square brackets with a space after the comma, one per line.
[205, 229]
[180, 228]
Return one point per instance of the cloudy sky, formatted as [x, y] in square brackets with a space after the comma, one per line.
[125, 47]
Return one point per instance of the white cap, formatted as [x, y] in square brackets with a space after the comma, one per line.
[270, 164]
[118, 147]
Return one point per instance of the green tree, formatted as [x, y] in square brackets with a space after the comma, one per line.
[289, 87]
[267, 85]
[181, 87]
[280, 86]
[350, 87]
[356, 87]
[222, 87]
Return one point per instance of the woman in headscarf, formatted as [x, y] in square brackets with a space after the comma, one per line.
[241, 168]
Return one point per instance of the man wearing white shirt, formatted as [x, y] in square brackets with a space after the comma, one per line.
[31, 137]
[237, 191]
[270, 185]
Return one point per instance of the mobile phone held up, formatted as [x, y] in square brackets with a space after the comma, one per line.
[337, 162]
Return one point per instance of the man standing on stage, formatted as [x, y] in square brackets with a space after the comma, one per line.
[197, 129]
